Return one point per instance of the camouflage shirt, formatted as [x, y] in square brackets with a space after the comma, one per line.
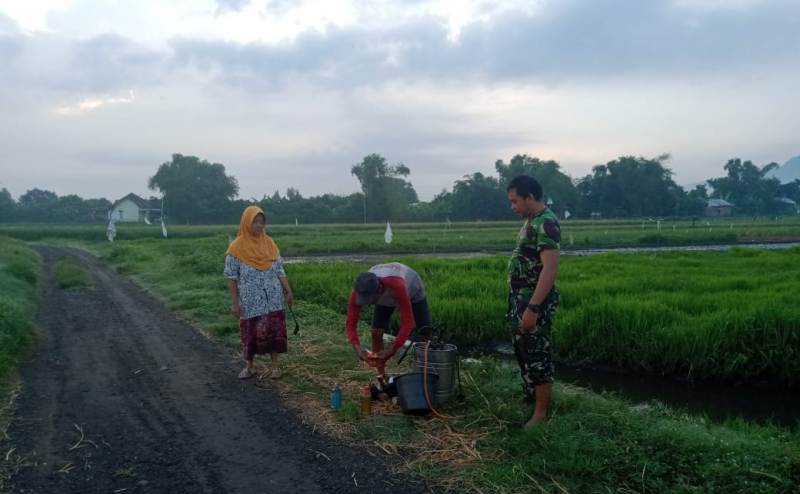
[539, 232]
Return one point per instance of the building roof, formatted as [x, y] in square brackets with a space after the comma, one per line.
[719, 203]
[142, 203]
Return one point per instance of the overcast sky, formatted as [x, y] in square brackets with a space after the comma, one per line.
[95, 94]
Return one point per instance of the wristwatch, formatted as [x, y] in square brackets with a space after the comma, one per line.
[537, 308]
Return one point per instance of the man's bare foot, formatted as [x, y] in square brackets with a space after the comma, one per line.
[535, 421]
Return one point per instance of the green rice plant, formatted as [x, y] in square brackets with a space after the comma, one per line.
[715, 314]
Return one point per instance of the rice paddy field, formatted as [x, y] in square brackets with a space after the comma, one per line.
[454, 237]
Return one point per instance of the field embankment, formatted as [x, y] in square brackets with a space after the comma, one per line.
[312, 239]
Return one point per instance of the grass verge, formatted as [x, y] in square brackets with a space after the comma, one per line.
[69, 274]
[18, 276]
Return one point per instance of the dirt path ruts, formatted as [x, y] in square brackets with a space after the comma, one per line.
[159, 407]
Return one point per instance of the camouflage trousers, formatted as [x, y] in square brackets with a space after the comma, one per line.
[532, 349]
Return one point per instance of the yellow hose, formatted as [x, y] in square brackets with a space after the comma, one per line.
[425, 383]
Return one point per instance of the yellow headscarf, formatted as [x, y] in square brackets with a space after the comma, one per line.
[258, 251]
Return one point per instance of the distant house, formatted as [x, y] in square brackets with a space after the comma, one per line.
[718, 207]
[134, 209]
[786, 205]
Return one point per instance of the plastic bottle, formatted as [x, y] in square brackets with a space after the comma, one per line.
[366, 401]
[336, 397]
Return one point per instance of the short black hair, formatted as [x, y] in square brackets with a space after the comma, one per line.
[525, 186]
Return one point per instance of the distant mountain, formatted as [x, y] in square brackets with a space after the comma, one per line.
[789, 172]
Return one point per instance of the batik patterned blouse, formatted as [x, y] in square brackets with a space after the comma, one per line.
[260, 292]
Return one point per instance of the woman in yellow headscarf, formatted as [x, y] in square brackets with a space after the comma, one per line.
[258, 289]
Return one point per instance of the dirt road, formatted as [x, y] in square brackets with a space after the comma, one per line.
[122, 397]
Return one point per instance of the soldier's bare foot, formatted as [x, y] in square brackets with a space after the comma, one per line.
[535, 421]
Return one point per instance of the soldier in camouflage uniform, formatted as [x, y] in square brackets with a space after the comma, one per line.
[533, 296]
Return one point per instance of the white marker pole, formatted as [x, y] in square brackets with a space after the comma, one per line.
[387, 237]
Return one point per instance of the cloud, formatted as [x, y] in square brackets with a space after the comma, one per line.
[281, 7]
[563, 41]
[110, 62]
[224, 6]
[91, 104]
[8, 25]
[32, 16]
[560, 42]
[101, 64]
[10, 42]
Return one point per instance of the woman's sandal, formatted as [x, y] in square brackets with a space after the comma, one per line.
[246, 374]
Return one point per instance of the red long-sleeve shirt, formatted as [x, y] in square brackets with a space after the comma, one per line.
[397, 288]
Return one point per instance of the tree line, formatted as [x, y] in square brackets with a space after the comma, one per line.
[195, 191]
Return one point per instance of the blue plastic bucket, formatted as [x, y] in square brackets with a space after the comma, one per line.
[411, 394]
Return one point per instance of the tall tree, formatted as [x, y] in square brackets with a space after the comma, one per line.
[747, 186]
[97, 209]
[386, 191]
[791, 190]
[478, 197]
[557, 186]
[195, 191]
[692, 203]
[37, 205]
[630, 186]
[70, 209]
[8, 206]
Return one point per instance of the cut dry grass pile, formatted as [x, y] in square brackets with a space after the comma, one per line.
[424, 440]
[10, 461]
